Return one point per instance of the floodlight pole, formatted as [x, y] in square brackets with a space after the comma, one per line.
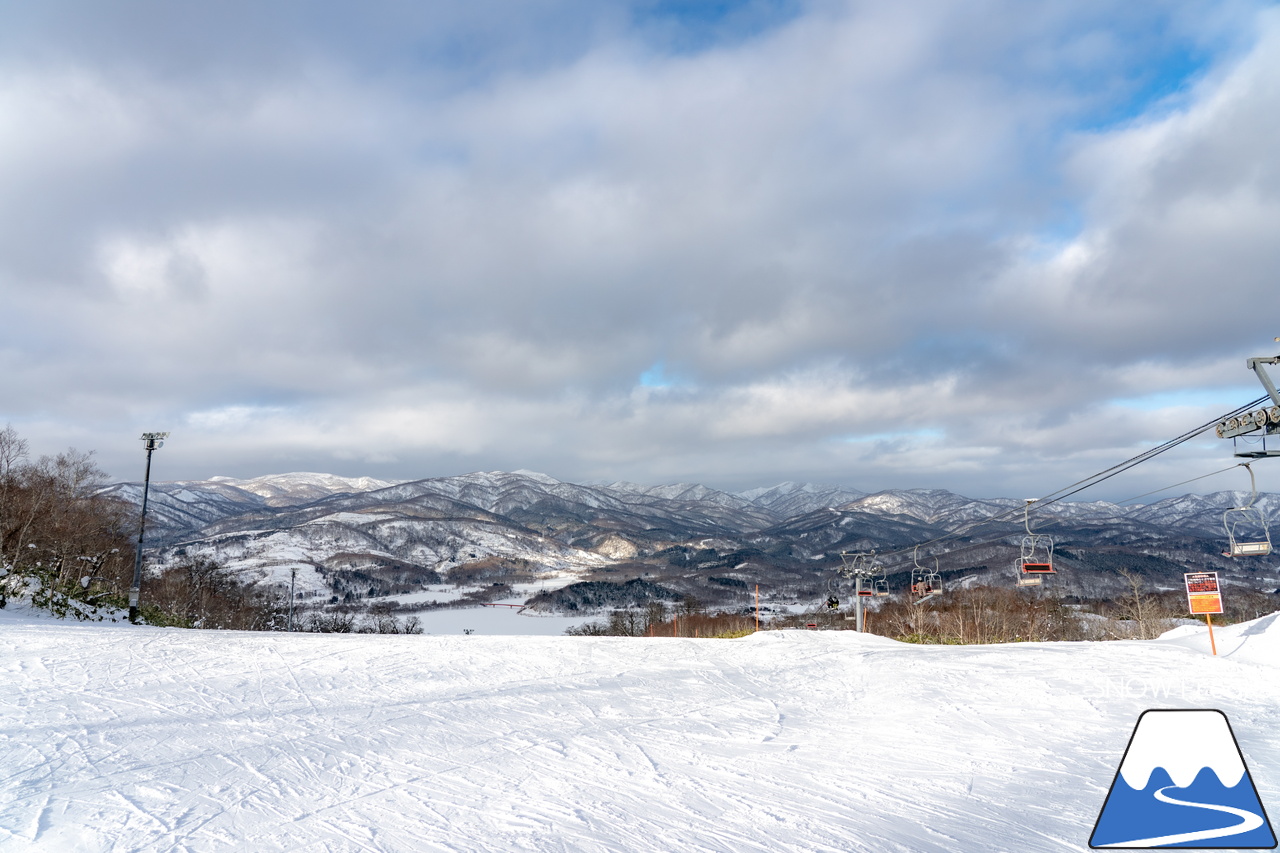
[153, 441]
[293, 577]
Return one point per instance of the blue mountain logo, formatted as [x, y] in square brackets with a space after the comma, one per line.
[1183, 783]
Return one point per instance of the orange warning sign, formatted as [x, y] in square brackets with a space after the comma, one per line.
[1205, 604]
[1203, 595]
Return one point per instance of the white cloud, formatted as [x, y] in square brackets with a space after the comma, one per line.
[361, 252]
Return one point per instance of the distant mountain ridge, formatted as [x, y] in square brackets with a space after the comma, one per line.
[301, 487]
[368, 536]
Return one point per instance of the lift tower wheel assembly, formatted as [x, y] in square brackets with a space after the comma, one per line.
[1250, 432]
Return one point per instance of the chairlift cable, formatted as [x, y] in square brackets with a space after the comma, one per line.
[1183, 483]
[1057, 521]
[1081, 485]
[1139, 459]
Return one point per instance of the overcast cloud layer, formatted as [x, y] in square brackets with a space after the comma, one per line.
[987, 246]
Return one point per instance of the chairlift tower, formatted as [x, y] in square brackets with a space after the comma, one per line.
[859, 568]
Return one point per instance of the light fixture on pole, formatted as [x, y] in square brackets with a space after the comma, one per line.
[293, 577]
[153, 441]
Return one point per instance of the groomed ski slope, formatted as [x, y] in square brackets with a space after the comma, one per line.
[123, 738]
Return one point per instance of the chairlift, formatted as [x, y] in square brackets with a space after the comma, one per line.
[925, 582]
[1249, 519]
[880, 586]
[877, 587]
[838, 588]
[835, 590]
[1036, 559]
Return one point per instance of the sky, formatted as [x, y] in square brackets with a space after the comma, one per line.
[987, 246]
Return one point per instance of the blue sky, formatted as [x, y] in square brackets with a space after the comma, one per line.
[733, 243]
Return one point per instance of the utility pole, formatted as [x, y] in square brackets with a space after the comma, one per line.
[153, 441]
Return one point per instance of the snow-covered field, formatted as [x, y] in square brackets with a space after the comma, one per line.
[122, 738]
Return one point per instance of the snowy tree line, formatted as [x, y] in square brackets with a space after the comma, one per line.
[61, 544]
[67, 548]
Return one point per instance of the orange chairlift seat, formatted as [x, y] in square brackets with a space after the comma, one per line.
[1036, 559]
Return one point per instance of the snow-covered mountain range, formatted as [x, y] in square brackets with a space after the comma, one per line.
[363, 539]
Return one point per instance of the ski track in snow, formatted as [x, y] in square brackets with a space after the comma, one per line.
[122, 738]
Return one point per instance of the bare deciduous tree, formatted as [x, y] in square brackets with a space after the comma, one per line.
[1143, 614]
[60, 539]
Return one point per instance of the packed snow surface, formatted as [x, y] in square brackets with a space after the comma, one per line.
[124, 738]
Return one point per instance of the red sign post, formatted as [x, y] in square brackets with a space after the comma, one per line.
[1204, 597]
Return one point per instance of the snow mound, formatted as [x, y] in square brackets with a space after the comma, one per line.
[1256, 641]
